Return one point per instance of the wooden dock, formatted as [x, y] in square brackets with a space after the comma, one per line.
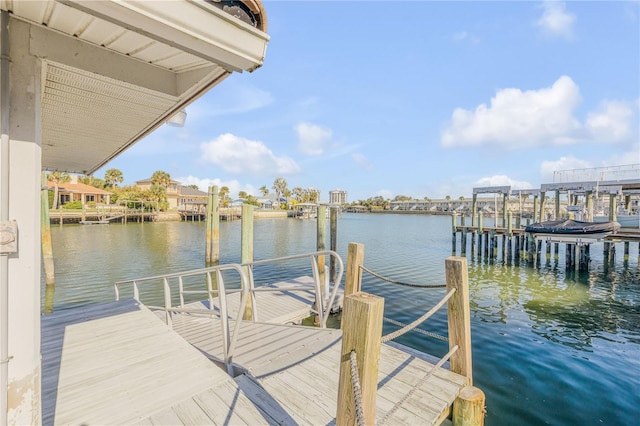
[117, 363]
[282, 307]
[121, 363]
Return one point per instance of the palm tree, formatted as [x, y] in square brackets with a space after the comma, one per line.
[280, 186]
[242, 194]
[57, 178]
[161, 178]
[112, 177]
[224, 195]
[264, 190]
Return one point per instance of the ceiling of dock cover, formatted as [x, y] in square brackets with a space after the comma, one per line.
[112, 71]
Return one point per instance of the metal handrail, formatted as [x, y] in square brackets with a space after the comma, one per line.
[322, 306]
[247, 287]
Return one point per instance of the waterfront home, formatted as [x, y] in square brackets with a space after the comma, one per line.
[80, 82]
[75, 191]
[179, 197]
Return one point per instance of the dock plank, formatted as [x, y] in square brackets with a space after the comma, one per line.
[278, 307]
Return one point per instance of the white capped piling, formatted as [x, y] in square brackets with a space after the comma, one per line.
[246, 249]
[362, 334]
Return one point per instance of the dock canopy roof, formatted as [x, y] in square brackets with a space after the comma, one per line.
[113, 71]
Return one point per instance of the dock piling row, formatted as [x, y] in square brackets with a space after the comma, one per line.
[516, 244]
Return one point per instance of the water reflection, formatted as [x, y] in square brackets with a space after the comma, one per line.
[566, 307]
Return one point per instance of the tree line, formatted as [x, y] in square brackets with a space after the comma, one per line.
[160, 180]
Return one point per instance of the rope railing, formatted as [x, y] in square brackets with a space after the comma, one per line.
[364, 268]
[418, 385]
[355, 387]
[420, 320]
[417, 330]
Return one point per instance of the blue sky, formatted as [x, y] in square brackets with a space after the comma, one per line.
[414, 98]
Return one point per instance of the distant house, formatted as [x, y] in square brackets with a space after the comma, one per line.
[192, 200]
[74, 191]
[265, 203]
[180, 197]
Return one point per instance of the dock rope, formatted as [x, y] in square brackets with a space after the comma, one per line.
[417, 385]
[355, 386]
[364, 268]
[417, 330]
[420, 320]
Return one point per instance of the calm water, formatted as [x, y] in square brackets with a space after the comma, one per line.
[549, 347]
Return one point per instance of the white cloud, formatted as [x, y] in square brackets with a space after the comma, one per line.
[237, 155]
[204, 184]
[312, 139]
[555, 21]
[463, 35]
[502, 180]
[610, 124]
[361, 160]
[564, 163]
[517, 119]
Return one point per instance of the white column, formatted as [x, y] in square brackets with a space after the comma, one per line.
[23, 267]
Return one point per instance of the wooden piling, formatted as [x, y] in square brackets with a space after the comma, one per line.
[468, 408]
[473, 243]
[568, 256]
[333, 242]
[463, 242]
[212, 246]
[583, 262]
[547, 251]
[459, 316]
[612, 207]
[321, 232]
[246, 249]
[453, 233]
[45, 225]
[626, 251]
[353, 273]
[362, 333]
[542, 202]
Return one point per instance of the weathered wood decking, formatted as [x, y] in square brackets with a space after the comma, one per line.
[281, 307]
[117, 363]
